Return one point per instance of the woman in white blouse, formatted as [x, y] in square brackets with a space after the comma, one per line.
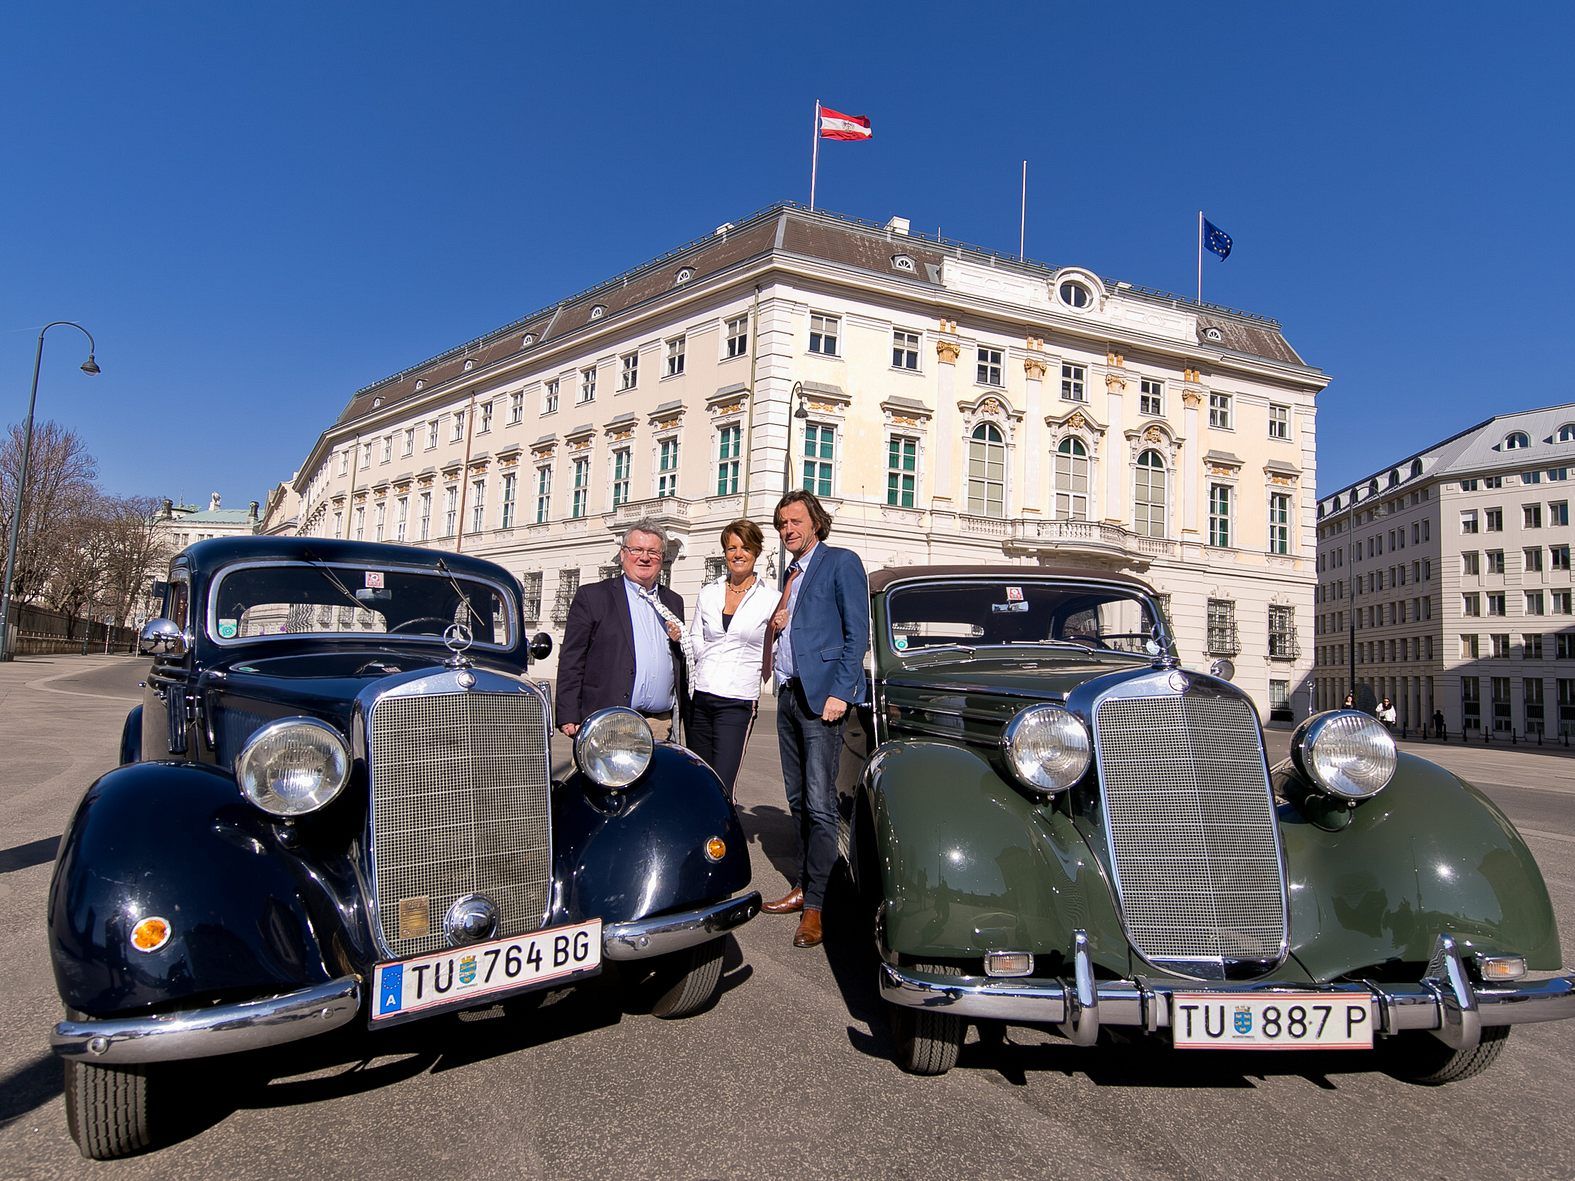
[723, 645]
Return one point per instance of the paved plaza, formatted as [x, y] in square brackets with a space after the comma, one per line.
[787, 1076]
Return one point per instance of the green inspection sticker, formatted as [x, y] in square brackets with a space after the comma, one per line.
[227, 629]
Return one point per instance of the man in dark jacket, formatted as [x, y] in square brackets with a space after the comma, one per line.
[619, 645]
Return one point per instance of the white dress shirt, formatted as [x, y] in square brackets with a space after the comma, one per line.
[727, 663]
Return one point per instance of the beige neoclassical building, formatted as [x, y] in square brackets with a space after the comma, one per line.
[949, 405]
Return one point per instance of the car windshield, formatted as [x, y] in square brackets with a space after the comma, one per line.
[319, 598]
[992, 612]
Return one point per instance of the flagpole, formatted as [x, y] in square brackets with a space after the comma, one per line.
[1200, 255]
[814, 156]
[1022, 220]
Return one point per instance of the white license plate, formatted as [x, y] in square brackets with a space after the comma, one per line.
[470, 974]
[1271, 1021]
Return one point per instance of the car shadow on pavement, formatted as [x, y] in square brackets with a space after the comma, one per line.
[28, 1087]
[771, 827]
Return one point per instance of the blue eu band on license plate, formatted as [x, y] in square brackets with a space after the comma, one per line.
[474, 973]
[1271, 1021]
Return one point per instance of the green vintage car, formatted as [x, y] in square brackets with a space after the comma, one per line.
[1050, 822]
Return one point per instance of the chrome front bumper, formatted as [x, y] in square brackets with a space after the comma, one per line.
[204, 1033]
[644, 938]
[1444, 1002]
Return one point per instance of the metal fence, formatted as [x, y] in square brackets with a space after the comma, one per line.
[37, 632]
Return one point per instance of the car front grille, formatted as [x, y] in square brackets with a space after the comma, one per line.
[1192, 833]
[459, 806]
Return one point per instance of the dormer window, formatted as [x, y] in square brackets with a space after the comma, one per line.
[1516, 440]
[527, 340]
[683, 276]
[598, 311]
[420, 383]
[376, 402]
[1075, 294]
[1213, 334]
[470, 363]
[1566, 433]
[904, 263]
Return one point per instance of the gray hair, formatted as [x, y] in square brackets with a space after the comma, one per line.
[646, 525]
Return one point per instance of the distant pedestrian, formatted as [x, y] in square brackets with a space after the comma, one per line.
[1350, 702]
[1386, 713]
[1438, 726]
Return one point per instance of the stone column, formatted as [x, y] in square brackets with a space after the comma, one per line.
[1191, 399]
[1115, 465]
[947, 349]
[1034, 367]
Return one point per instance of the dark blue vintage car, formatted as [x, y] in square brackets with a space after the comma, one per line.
[336, 804]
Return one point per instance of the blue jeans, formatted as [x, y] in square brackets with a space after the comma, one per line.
[810, 751]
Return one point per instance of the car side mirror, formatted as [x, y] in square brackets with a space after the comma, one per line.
[1223, 669]
[540, 646]
[161, 637]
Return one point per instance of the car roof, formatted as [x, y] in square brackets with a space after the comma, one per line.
[888, 576]
[209, 555]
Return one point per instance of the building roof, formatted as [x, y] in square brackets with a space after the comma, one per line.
[791, 231]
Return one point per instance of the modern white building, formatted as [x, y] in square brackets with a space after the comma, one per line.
[1444, 581]
[949, 405]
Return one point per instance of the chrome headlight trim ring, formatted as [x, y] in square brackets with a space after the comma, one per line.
[293, 766]
[1344, 754]
[614, 747]
[1048, 747]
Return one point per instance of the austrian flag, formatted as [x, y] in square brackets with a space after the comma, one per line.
[836, 125]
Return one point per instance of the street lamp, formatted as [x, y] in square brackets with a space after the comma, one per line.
[1353, 547]
[797, 392]
[90, 367]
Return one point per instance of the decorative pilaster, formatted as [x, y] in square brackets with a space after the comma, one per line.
[1034, 368]
[1115, 410]
[1191, 399]
[947, 349]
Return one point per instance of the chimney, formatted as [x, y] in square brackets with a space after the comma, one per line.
[169, 508]
[213, 503]
[897, 225]
[251, 511]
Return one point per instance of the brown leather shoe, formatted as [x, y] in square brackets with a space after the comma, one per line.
[790, 903]
[808, 933]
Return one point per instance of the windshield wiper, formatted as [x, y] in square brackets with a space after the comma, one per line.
[443, 569]
[334, 580]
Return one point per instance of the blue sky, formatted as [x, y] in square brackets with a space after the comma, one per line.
[258, 209]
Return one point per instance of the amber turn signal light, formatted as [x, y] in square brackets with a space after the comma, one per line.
[150, 934]
[715, 849]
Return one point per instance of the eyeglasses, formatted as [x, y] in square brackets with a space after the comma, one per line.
[642, 553]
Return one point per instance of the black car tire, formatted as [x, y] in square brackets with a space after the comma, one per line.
[107, 1109]
[685, 981]
[1421, 1058]
[924, 1041]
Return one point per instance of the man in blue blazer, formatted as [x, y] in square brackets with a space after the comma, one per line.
[814, 654]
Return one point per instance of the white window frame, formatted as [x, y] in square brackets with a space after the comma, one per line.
[902, 479]
[729, 450]
[1151, 397]
[818, 472]
[990, 366]
[1074, 382]
[629, 371]
[1220, 411]
[825, 334]
[905, 345]
[1279, 421]
[735, 337]
[676, 346]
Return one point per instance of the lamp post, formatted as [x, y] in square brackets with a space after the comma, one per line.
[90, 367]
[1353, 547]
[799, 413]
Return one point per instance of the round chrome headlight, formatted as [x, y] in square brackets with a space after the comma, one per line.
[614, 747]
[293, 766]
[1048, 747]
[1345, 754]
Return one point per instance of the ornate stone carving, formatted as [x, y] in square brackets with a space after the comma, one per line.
[947, 351]
[723, 408]
[1115, 383]
[1114, 358]
[1225, 470]
[1153, 435]
[1077, 422]
[1282, 480]
[1034, 368]
[1192, 397]
[991, 406]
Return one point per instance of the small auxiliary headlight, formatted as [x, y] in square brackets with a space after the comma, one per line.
[151, 933]
[614, 747]
[1501, 967]
[1345, 754]
[1048, 747]
[293, 766]
[715, 849]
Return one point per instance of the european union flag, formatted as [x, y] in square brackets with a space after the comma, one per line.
[392, 993]
[1216, 239]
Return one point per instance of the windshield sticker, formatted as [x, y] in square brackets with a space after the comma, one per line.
[900, 643]
[1014, 594]
[374, 579]
[1007, 608]
[228, 629]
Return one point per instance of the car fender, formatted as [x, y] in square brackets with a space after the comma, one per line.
[969, 864]
[248, 916]
[639, 852]
[131, 737]
[1427, 854]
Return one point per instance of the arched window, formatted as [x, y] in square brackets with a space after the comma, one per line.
[1071, 480]
[987, 472]
[1148, 498]
[1567, 433]
[1416, 468]
[1515, 440]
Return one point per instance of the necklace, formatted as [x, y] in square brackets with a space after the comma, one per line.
[738, 590]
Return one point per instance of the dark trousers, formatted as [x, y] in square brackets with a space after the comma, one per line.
[718, 728]
[810, 750]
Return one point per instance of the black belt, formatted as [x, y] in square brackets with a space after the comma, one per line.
[660, 715]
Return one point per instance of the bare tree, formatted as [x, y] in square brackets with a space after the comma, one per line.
[137, 552]
[60, 486]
